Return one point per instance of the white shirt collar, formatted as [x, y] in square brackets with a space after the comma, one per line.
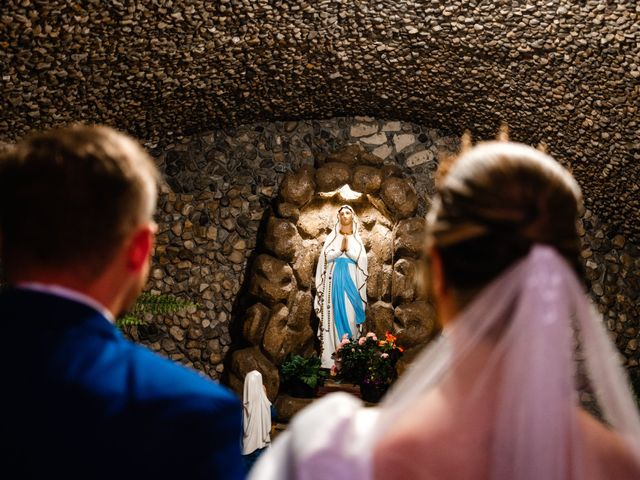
[69, 294]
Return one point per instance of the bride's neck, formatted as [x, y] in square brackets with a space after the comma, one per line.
[477, 365]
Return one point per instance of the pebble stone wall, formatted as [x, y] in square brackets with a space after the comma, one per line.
[220, 183]
[561, 71]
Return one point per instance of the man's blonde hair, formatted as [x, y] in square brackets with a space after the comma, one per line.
[70, 196]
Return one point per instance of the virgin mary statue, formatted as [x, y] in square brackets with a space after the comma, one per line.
[341, 284]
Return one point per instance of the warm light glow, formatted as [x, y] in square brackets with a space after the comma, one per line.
[344, 192]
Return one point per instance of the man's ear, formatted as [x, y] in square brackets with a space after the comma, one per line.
[140, 246]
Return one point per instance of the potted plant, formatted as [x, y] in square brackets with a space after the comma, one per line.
[301, 377]
[369, 363]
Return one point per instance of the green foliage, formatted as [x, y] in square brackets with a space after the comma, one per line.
[307, 370]
[367, 360]
[128, 320]
[154, 304]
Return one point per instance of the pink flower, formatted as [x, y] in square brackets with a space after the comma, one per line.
[371, 334]
[334, 371]
[385, 355]
[344, 342]
[361, 341]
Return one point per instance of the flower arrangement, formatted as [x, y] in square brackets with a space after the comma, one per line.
[367, 360]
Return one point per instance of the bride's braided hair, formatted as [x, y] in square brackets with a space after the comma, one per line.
[493, 202]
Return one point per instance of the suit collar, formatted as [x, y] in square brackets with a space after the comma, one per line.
[68, 293]
[53, 310]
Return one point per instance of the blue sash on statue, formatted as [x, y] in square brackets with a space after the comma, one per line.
[343, 283]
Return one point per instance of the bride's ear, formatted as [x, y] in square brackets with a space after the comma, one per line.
[438, 281]
[444, 296]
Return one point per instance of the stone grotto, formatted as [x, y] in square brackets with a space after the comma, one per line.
[254, 109]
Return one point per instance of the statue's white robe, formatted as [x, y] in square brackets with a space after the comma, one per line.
[324, 273]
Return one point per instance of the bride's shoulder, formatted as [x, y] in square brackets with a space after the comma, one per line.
[613, 455]
[336, 405]
[327, 439]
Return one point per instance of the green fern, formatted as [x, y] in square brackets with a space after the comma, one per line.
[154, 304]
[128, 320]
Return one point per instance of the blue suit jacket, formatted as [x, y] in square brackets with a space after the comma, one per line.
[80, 401]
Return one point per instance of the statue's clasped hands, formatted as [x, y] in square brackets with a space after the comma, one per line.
[345, 244]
